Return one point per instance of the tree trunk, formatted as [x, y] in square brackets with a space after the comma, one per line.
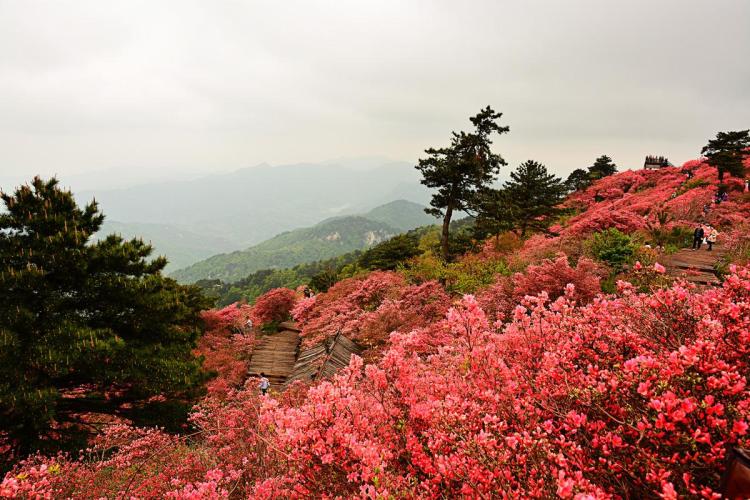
[446, 232]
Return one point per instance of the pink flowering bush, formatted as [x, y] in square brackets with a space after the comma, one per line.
[226, 346]
[368, 309]
[634, 395]
[550, 276]
[274, 306]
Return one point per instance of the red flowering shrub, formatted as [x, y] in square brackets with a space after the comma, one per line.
[550, 276]
[274, 306]
[226, 346]
[368, 309]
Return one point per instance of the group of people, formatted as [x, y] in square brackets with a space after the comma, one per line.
[704, 234]
[720, 197]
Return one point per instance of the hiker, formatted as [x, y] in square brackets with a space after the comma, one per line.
[698, 237]
[249, 324]
[711, 238]
[747, 185]
[307, 292]
[724, 196]
[264, 384]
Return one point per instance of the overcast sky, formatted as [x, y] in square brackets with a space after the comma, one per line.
[199, 86]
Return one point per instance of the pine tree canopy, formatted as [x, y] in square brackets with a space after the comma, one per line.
[533, 195]
[727, 152]
[577, 180]
[93, 319]
[602, 167]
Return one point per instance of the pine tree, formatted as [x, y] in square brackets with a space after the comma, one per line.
[533, 195]
[577, 180]
[602, 167]
[495, 213]
[95, 318]
[461, 170]
[727, 152]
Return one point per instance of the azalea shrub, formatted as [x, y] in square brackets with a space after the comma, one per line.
[226, 347]
[551, 276]
[368, 309]
[635, 395]
[274, 306]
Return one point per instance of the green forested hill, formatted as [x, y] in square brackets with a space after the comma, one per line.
[327, 239]
[401, 214]
[322, 241]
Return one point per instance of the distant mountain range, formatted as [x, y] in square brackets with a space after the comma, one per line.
[332, 237]
[190, 219]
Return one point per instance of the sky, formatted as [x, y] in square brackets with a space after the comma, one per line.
[139, 89]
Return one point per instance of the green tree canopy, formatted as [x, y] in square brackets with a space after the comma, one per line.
[577, 180]
[727, 152]
[95, 319]
[533, 196]
[460, 171]
[495, 213]
[602, 167]
[390, 253]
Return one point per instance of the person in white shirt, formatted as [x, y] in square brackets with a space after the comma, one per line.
[264, 384]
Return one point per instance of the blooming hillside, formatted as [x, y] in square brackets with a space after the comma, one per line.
[538, 385]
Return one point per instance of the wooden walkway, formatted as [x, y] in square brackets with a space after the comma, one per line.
[275, 355]
[324, 360]
[696, 266]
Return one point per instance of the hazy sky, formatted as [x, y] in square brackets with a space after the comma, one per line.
[192, 86]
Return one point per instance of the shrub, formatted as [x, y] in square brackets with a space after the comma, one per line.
[613, 247]
[274, 306]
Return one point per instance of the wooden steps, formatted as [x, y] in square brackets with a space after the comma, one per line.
[324, 360]
[695, 266]
[275, 355]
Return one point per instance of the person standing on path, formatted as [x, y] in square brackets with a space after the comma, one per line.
[264, 384]
[698, 237]
[711, 238]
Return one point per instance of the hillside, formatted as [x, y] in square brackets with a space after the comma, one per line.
[327, 239]
[181, 246]
[401, 214]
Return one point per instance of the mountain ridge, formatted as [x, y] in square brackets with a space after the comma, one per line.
[329, 238]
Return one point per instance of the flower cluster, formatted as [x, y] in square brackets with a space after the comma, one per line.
[274, 306]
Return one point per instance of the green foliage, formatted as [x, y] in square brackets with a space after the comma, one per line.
[531, 197]
[464, 276]
[727, 152]
[389, 254]
[602, 167]
[459, 172]
[74, 314]
[613, 247]
[495, 213]
[577, 180]
[691, 184]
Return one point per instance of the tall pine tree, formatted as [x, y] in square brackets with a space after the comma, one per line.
[461, 170]
[97, 320]
[602, 167]
[533, 196]
[727, 152]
